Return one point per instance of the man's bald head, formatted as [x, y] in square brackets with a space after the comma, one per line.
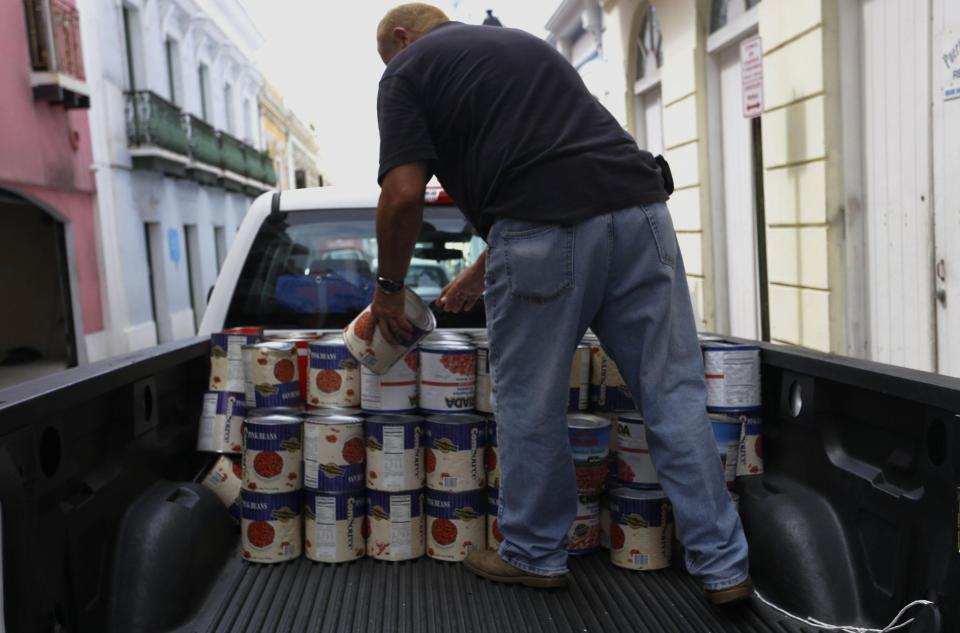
[403, 25]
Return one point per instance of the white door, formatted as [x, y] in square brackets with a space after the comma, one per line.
[897, 183]
[649, 118]
[739, 201]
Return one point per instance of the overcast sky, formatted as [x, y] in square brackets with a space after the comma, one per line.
[322, 56]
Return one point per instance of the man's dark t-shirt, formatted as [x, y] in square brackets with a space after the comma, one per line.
[509, 129]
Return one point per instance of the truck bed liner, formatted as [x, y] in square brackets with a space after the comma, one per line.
[431, 596]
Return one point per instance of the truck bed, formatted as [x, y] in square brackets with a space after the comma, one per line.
[370, 596]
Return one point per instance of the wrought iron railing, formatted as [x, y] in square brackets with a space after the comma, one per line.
[232, 153]
[154, 121]
[268, 173]
[251, 158]
[53, 30]
[204, 141]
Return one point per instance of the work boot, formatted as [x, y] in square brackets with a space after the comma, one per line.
[740, 591]
[488, 564]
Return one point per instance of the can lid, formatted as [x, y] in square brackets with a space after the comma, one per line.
[418, 312]
[720, 418]
[586, 421]
[630, 416]
[280, 346]
[724, 346]
[583, 345]
[320, 412]
[275, 420]
[267, 411]
[296, 335]
[463, 345]
[639, 495]
[397, 418]
[456, 418]
[332, 419]
[334, 493]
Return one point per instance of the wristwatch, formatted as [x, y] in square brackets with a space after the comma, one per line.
[389, 286]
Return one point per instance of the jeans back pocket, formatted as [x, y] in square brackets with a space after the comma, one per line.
[661, 225]
[539, 261]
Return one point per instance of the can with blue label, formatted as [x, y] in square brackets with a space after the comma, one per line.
[333, 453]
[221, 420]
[394, 391]
[271, 527]
[226, 359]
[333, 525]
[589, 437]
[726, 431]
[396, 523]
[273, 454]
[333, 375]
[494, 537]
[641, 529]
[271, 374]
[394, 452]
[750, 461]
[297, 410]
[448, 377]
[224, 480]
[732, 374]
[454, 453]
[492, 459]
[456, 524]
[584, 534]
[634, 466]
[608, 390]
[320, 412]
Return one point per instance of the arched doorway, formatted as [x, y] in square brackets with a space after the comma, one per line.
[37, 333]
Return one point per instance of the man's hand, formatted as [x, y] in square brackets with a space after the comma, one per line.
[389, 315]
[466, 288]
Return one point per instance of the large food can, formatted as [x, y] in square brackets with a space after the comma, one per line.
[604, 522]
[732, 374]
[494, 537]
[454, 454]
[726, 431]
[750, 461]
[396, 523]
[224, 479]
[271, 528]
[366, 343]
[641, 529]
[492, 460]
[580, 379]
[392, 392]
[333, 526]
[634, 466]
[456, 524]
[584, 534]
[333, 377]
[589, 437]
[295, 411]
[322, 412]
[484, 379]
[226, 359]
[271, 377]
[591, 476]
[221, 420]
[394, 452]
[608, 391]
[272, 454]
[448, 377]
[300, 340]
[333, 453]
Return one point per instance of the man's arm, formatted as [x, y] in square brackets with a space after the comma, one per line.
[399, 216]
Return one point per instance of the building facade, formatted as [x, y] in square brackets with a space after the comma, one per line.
[291, 144]
[48, 238]
[816, 192]
[177, 153]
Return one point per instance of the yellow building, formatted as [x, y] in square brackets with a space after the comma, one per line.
[276, 134]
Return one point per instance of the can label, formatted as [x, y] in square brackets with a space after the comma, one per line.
[224, 480]
[494, 537]
[589, 445]
[484, 381]
[396, 522]
[456, 524]
[750, 457]
[454, 456]
[302, 344]
[580, 380]
[634, 466]
[226, 360]
[392, 392]
[221, 420]
[333, 526]
[604, 523]
[726, 431]
[448, 382]
[271, 377]
[491, 460]
[732, 374]
[584, 534]
[272, 456]
[333, 378]
[641, 533]
[271, 529]
[367, 344]
[608, 391]
[591, 476]
[333, 456]
[394, 456]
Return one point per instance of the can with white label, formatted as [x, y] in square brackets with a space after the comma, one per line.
[491, 461]
[580, 379]
[448, 377]
[366, 342]
[394, 451]
[333, 453]
[634, 466]
[454, 454]
[604, 522]
[271, 528]
[641, 529]
[333, 376]
[726, 431]
[226, 359]
[494, 537]
[272, 454]
[732, 374]
[224, 479]
[584, 534]
[263, 412]
[396, 523]
[456, 524]
[392, 392]
[220, 422]
[484, 379]
[333, 526]
[750, 459]
[608, 391]
[300, 340]
[271, 377]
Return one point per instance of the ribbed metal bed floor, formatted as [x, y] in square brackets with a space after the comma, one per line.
[433, 597]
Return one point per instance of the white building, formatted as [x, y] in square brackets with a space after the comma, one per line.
[177, 150]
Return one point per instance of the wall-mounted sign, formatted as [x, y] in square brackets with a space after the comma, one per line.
[950, 60]
[751, 71]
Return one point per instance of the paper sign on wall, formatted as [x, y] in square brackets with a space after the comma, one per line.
[950, 58]
[751, 71]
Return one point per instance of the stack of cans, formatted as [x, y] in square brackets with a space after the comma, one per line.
[590, 444]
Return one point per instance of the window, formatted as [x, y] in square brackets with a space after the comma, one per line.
[245, 113]
[228, 109]
[722, 11]
[172, 49]
[191, 240]
[133, 45]
[320, 180]
[648, 101]
[203, 75]
[649, 45]
[220, 245]
[300, 179]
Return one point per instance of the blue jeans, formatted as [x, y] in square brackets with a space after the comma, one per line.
[622, 275]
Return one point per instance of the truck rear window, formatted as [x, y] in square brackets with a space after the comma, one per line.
[317, 269]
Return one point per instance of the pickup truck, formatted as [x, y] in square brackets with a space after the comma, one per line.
[104, 528]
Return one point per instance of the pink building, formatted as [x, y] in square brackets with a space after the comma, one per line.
[49, 273]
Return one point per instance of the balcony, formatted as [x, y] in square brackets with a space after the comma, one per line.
[232, 151]
[205, 155]
[56, 56]
[156, 133]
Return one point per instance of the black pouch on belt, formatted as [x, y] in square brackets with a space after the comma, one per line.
[665, 173]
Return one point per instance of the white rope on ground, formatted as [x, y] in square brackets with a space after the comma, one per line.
[893, 626]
